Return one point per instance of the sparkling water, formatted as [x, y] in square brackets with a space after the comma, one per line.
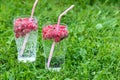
[58, 58]
[30, 49]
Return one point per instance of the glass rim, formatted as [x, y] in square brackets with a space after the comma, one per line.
[53, 24]
[24, 16]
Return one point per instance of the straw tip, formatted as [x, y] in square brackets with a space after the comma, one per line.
[73, 5]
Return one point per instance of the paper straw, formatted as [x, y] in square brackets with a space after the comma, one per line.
[51, 53]
[53, 44]
[32, 13]
[63, 13]
[27, 35]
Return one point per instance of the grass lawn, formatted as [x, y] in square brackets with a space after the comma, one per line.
[93, 48]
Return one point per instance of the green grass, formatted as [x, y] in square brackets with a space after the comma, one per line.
[93, 48]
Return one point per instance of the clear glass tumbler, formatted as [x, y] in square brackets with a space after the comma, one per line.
[58, 56]
[30, 38]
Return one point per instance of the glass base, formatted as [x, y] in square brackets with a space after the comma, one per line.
[26, 59]
[54, 69]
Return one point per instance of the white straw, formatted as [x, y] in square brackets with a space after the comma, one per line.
[27, 35]
[59, 18]
[32, 13]
[51, 53]
[53, 44]
[24, 44]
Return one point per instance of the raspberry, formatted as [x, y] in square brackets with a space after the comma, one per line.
[26, 30]
[57, 34]
[17, 35]
[57, 39]
[22, 26]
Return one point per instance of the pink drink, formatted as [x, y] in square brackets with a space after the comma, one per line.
[51, 34]
[57, 33]
[23, 27]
